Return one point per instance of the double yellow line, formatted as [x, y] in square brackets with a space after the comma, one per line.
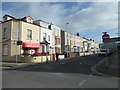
[93, 69]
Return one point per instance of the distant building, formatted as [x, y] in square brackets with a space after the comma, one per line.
[93, 46]
[112, 44]
[73, 42]
[37, 41]
[57, 36]
[85, 45]
[67, 42]
[62, 41]
[77, 45]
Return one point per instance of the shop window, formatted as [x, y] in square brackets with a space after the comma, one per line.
[26, 51]
[29, 34]
[5, 49]
[4, 33]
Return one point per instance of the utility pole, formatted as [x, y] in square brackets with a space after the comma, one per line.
[105, 38]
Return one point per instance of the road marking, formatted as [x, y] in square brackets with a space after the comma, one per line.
[63, 63]
[99, 73]
[91, 74]
[81, 83]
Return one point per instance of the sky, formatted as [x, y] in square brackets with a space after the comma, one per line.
[90, 19]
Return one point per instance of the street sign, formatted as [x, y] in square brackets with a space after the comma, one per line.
[19, 42]
[105, 37]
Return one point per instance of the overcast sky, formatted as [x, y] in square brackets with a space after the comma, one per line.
[90, 19]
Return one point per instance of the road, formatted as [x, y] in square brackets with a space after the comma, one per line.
[68, 73]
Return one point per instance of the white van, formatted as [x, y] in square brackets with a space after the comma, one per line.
[104, 52]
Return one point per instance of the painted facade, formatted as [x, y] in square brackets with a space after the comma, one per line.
[73, 40]
[77, 45]
[45, 36]
[38, 41]
[62, 41]
[15, 30]
[56, 32]
[67, 42]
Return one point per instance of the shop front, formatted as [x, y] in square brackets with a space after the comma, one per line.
[30, 48]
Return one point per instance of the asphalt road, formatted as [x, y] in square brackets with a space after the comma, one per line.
[69, 73]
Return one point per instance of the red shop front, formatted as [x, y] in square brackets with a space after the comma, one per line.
[26, 46]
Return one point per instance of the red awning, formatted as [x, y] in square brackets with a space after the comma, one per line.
[30, 45]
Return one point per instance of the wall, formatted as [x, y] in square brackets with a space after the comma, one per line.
[57, 33]
[7, 40]
[48, 32]
[35, 32]
[62, 41]
[72, 42]
[67, 42]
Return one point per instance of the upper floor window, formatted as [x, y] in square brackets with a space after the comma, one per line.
[5, 33]
[44, 36]
[48, 37]
[5, 49]
[67, 42]
[29, 19]
[29, 34]
[58, 32]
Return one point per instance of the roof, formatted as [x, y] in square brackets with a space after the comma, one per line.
[8, 16]
[13, 18]
[43, 21]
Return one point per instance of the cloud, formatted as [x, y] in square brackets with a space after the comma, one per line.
[98, 16]
[52, 13]
[42, 10]
[102, 16]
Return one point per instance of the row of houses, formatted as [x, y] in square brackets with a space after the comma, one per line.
[27, 40]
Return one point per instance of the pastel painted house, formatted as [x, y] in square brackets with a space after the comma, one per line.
[21, 40]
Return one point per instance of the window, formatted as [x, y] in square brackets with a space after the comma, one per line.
[67, 42]
[58, 41]
[55, 41]
[5, 49]
[28, 19]
[44, 36]
[58, 32]
[29, 34]
[5, 33]
[43, 49]
[48, 37]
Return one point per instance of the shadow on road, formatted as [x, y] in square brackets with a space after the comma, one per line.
[79, 65]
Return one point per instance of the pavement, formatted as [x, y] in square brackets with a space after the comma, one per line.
[109, 66]
[12, 64]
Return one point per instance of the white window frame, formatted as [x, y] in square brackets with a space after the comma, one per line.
[5, 50]
[4, 33]
[48, 37]
[28, 34]
[44, 36]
